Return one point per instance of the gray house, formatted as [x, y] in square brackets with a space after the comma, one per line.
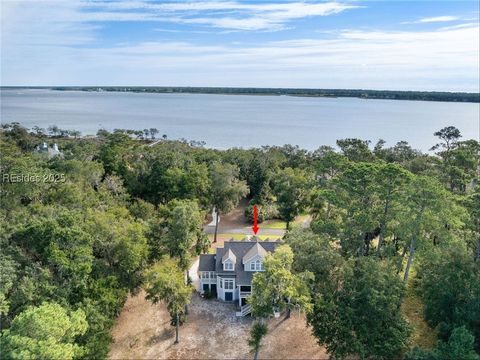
[50, 151]
[229, 272]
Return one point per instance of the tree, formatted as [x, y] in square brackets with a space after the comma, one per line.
[259, 174]
[462, 166]
[356, 194]
[355, 149]
[316, 254]
[427, 209]
[165, 282]
[291, 190]
[44, 332]
[113, 151]
[153, 132]
[53, 130]
[226, 189]
[184, 230]
[400, 153]
[460, 345]
[257, 333]
[25, 140]
[472, 204]
[328, 164]
[75, 133]
[357, 314]
[61, 245]
[38, 130]
[391, 180]
[278, 288]
[449, 285]
[450, 136]
[120, 245]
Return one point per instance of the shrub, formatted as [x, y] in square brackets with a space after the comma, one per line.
[208, 294]
[266, 211]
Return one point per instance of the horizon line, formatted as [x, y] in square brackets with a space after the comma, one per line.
[231, 87]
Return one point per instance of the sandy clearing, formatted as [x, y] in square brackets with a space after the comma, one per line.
[143, 331]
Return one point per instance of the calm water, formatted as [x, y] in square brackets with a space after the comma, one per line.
[224, 121]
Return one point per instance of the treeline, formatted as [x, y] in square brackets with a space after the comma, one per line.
[54, 131]
[77, 248]
[357, 93]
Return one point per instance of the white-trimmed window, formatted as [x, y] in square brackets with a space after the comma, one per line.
[256, 265]
[228, 265]
[228, 284]
[208, 275]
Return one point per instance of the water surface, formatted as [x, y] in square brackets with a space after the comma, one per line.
[225, 121]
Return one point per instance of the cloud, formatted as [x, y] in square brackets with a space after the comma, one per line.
[435, 19]
[438, 19]
[270, 16]
[230, 15]
[43, 44]
[219, 14]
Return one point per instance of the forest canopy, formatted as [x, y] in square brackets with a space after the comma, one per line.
[87, 227]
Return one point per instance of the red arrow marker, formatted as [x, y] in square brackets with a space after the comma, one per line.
[255, 216]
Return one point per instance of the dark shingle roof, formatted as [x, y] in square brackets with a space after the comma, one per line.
[255, 250]
[240, 249]
[229, 255]
[207, 262]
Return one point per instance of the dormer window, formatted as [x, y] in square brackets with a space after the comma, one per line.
[228, 265]
[256, 265]
[229, 260]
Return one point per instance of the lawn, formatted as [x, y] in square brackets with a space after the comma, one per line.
[280, 224]
[273, 224]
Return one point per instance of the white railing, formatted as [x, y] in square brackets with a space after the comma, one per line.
[209, 281]
[244, 310]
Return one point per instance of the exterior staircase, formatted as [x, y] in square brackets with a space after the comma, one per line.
[244, 311]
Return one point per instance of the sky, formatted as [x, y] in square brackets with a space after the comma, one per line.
[393, 45]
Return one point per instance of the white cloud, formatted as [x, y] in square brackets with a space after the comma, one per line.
[438, 19]
[229, 15]
[220, 14]
[435, 19]
[55, 45]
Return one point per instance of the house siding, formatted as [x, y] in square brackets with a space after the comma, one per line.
[240, 275]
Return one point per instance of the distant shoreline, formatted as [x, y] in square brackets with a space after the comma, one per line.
[330, 93]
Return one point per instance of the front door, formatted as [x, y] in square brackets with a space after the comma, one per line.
[213, 289]
[228, 296]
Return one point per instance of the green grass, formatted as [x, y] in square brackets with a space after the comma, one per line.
[240, 237]
[412, 308]
[273, 224]
[280, 224]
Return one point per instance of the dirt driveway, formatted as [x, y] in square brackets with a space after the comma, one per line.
[143, 331]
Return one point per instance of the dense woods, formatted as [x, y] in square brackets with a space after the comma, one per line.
[82, 231]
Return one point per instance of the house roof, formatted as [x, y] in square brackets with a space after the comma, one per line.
[255, 250]
[207, 262]
[229, 255]
[240, 249]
